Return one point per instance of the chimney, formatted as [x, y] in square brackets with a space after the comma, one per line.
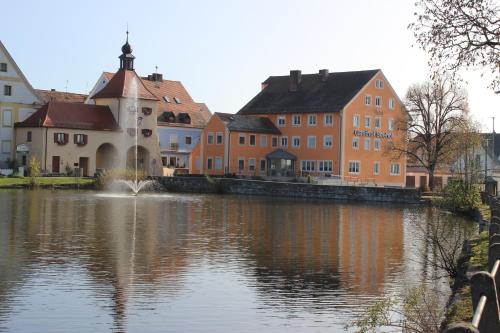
[295, 76]
[155, 77]
[323, 73]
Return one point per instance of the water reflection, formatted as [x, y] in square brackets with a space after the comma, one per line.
[73, 261]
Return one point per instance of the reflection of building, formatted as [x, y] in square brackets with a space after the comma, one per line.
[97, 136]
[327, 124]
[18, 100]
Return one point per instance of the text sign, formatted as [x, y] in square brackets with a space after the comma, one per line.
[22, 148]
[374, 134]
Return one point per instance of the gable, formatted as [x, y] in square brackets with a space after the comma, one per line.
[22, 91]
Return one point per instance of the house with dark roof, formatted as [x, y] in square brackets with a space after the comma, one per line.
[332, 125]
[118, 130]
[180, 119]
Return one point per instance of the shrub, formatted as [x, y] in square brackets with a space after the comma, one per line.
[460, 198]
[34, 171]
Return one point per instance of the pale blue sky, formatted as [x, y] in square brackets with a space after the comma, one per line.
[221, 50]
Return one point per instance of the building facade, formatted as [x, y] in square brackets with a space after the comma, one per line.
[18, 100]
[331, 125]
[180, 120]
[117, 131]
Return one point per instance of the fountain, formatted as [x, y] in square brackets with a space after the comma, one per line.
[134, 118]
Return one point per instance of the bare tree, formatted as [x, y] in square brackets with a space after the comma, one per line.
[460, 34]
[435, 109]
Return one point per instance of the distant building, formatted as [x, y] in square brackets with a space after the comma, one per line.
[97, 136]
[180, 119]
[332, 125]
[53, 95]
[18, 100]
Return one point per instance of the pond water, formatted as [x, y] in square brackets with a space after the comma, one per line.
[100, 262]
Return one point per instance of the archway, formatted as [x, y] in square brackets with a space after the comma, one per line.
[106, 157]
[142, 159]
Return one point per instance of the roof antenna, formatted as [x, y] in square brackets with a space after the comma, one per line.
[127, 32]
[156, 80]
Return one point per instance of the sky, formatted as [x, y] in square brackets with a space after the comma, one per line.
[222, 50]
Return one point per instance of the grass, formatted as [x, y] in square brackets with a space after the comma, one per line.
[461, 310]
[22, 181]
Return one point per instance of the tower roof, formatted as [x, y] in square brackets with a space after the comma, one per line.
[122, 85]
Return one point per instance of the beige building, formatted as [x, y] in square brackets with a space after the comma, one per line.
[119, 130]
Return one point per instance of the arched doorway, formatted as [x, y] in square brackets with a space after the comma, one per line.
[142, 159]
[106, 157]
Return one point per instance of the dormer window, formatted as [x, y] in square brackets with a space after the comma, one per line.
[166, 99]
[167, 116]
[184, 118]
[177, 100]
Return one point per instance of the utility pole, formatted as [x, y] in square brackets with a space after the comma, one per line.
[494, 162]
[486, 159]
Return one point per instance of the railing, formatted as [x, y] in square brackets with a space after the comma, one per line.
[485, 286]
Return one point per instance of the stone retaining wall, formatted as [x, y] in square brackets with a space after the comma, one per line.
[286, 189]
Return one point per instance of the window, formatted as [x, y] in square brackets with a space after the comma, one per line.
[7, 118]
[188, 140]
[242, 139]
[28, 136]
[80, 139]
[177, 100]
[209, 163]
[325, 166]
[251, 164]
[378, 101]
[210, 138]
[263, 140]
[376, 168]
[355, 143]
[327, 141]
[378, 122]
[6, 144]
[166, 99]
[368, 100]
[377, 143]
[379, 84]
[368, 121]
[390, 124]
[252, 140]
[367, 143]
[328, 119]
[218, 138]
[263, 164]
[7, 90]
[311, 142]
[296, 141]
[391, 103]
[308, 165]
[354, 166]
[61, 138]
[355, 120]
[3, 67]
[281, 121]
[218, 163]
[284, 141]
[274, 141]
[394, 169]
[241, 164]
[296, 120]
[311, 120]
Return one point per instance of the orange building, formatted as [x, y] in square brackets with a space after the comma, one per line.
[336, 126]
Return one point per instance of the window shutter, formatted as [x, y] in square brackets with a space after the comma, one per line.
[74, 139]
[55, 137]
[66, 138]
[85, 139]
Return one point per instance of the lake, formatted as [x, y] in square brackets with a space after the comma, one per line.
[100, 262]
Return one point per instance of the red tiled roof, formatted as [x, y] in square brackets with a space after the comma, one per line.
[120, 85]
[72, 115]
[198, 112]
[59, 96]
